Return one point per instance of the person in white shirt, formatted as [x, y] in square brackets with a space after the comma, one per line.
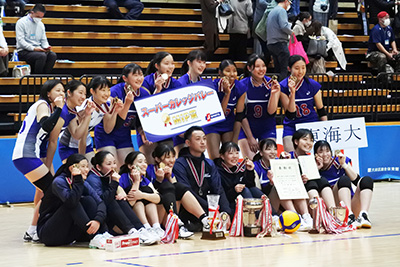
[32, 44]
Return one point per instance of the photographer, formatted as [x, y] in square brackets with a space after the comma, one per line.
[382, 49]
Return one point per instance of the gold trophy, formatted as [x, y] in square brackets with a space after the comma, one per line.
[251, 205]
[339, 213]
[212, 232]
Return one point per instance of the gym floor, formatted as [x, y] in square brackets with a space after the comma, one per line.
[364, 247]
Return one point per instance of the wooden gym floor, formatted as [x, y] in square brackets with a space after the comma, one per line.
[377, 246]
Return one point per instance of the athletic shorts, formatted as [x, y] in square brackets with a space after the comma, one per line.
[120, 141]
[65, 151]
[259, 133]
[26, 165]
[288, 130]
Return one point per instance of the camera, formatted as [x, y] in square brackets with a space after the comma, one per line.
[324, 7]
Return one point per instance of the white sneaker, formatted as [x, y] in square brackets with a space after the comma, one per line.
[353, 221]
[184, 233]
[31, 237]
[35, 238]
[160, 232]
[363, 220]
[306, 222]
[99, 241]
[107, 235]
[146, 238]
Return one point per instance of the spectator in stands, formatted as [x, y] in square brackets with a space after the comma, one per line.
[238, 27]
[210, 26]
[278, 31]
[376, 6]
[320, 11]
[32, 44]
[17, 5]
[135, 8]
[317, 60]
[3, 54]
[381, 44]
[259, 9]
[303, 21]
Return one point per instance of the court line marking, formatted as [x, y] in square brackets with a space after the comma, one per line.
[120, 261]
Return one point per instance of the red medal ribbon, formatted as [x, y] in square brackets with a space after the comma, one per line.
[239, 167]
[199, 180]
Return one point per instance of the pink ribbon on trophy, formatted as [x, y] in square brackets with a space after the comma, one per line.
[216, 213]
[171, 229]
[237, 223]
[329, 222]
[265, 218]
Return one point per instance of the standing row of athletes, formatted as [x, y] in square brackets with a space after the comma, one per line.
[254, 98]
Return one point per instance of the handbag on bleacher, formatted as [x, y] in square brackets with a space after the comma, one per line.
[317, 47]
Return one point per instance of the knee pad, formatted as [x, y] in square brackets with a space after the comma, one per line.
[343, 182]
[366, 183]
[322, 183]
[45, 182]
[310, 185]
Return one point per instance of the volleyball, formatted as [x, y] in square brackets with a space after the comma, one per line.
[289, 221]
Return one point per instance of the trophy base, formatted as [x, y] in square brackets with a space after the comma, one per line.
[313, 231]
[251, 231]
[215, 235]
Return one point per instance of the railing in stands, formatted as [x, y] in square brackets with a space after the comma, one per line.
[31, 89]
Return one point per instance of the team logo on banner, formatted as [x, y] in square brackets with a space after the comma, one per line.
[171, 113]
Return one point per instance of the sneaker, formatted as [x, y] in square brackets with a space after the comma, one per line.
[99, 241]
[306, 222]
[159, 232]
[353, 221]
[35, 238]
[184, 233]
[27, 237]
[146, 238]
[363, 220]
[107, 235]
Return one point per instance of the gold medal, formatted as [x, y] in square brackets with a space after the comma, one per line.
[274, 78]
[162, 165]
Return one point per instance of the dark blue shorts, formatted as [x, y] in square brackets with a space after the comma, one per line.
[65, 151]
[259, 133]
[26, 165]
[117, 141]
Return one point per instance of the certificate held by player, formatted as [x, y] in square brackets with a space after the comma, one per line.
[287, 179]
[309, 167]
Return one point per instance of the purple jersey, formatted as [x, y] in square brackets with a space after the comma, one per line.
[122, 133]
[257, 100]
[186, 79]
[334, 171]
[149, 84]
[236, 92]
[151, 172]
[262, 171]
[305, 93]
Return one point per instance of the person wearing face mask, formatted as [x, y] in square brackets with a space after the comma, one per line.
[376, 6]
[278, 31]
[302, 22]
[32, 44]
[381, 44]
